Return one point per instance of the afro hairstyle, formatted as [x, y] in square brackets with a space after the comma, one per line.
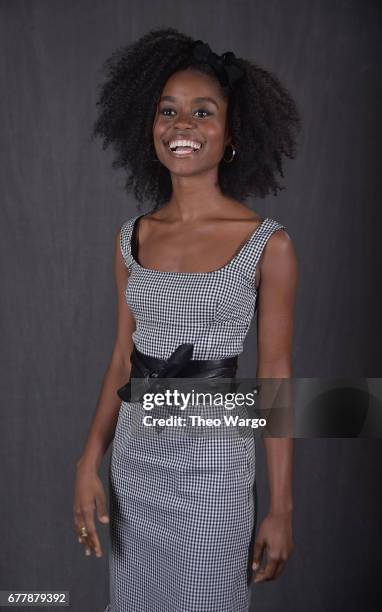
[263, 118]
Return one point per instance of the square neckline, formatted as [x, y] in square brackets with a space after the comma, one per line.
[222, 268]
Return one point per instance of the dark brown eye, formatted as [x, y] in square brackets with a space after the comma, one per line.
[164, 110]
[199, 110]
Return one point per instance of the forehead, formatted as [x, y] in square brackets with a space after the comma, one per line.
[190, 84]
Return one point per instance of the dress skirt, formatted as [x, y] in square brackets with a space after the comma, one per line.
[182, 517]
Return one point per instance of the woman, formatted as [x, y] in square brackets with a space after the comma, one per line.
[197, 133]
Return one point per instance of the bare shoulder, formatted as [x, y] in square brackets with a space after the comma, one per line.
[280, 244]
[279, 260]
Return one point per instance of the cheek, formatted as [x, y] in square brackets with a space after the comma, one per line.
[156, 129]
[214, 132]
[157, 139]
[158, 126]
[215, 140]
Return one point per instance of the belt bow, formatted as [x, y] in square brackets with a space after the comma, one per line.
[169, 369]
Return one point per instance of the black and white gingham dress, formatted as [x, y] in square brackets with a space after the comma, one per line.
[182, 508]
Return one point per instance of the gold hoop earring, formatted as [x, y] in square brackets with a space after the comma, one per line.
[228, 161]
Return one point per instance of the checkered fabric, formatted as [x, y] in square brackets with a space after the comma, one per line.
[183, 507]
[213, 310]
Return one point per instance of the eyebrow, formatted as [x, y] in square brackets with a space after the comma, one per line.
[200, 99]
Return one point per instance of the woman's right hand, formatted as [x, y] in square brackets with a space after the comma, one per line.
[89, 495]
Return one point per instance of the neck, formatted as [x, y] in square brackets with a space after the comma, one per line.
[194, 196]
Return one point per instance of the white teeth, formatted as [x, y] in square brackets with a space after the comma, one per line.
[184, 143]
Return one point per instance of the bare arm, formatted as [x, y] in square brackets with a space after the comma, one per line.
[106, 414]
[279, 274]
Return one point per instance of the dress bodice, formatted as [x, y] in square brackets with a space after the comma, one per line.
[213, 310]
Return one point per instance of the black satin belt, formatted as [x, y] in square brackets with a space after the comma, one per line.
[178, 365]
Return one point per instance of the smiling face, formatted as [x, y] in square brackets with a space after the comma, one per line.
[191, 111]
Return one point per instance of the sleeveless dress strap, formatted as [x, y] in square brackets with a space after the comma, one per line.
[252, 250]
[125, 240]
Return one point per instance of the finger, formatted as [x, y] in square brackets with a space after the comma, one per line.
[92, 537]
[267, 572]
[84, 529]
[87, 544]
[258, 552]
[77, 517]
[82, 520]
[83, 538]
[101, 509]
[259, 576]
[279, 569]
[79, 524]
[79, 521]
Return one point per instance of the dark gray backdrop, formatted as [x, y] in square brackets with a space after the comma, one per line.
[61, 207]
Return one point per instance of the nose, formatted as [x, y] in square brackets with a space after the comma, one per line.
[184, 119]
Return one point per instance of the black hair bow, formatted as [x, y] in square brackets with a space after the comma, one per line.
[226, 66]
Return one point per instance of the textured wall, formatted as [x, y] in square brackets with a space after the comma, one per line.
[61, 207]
